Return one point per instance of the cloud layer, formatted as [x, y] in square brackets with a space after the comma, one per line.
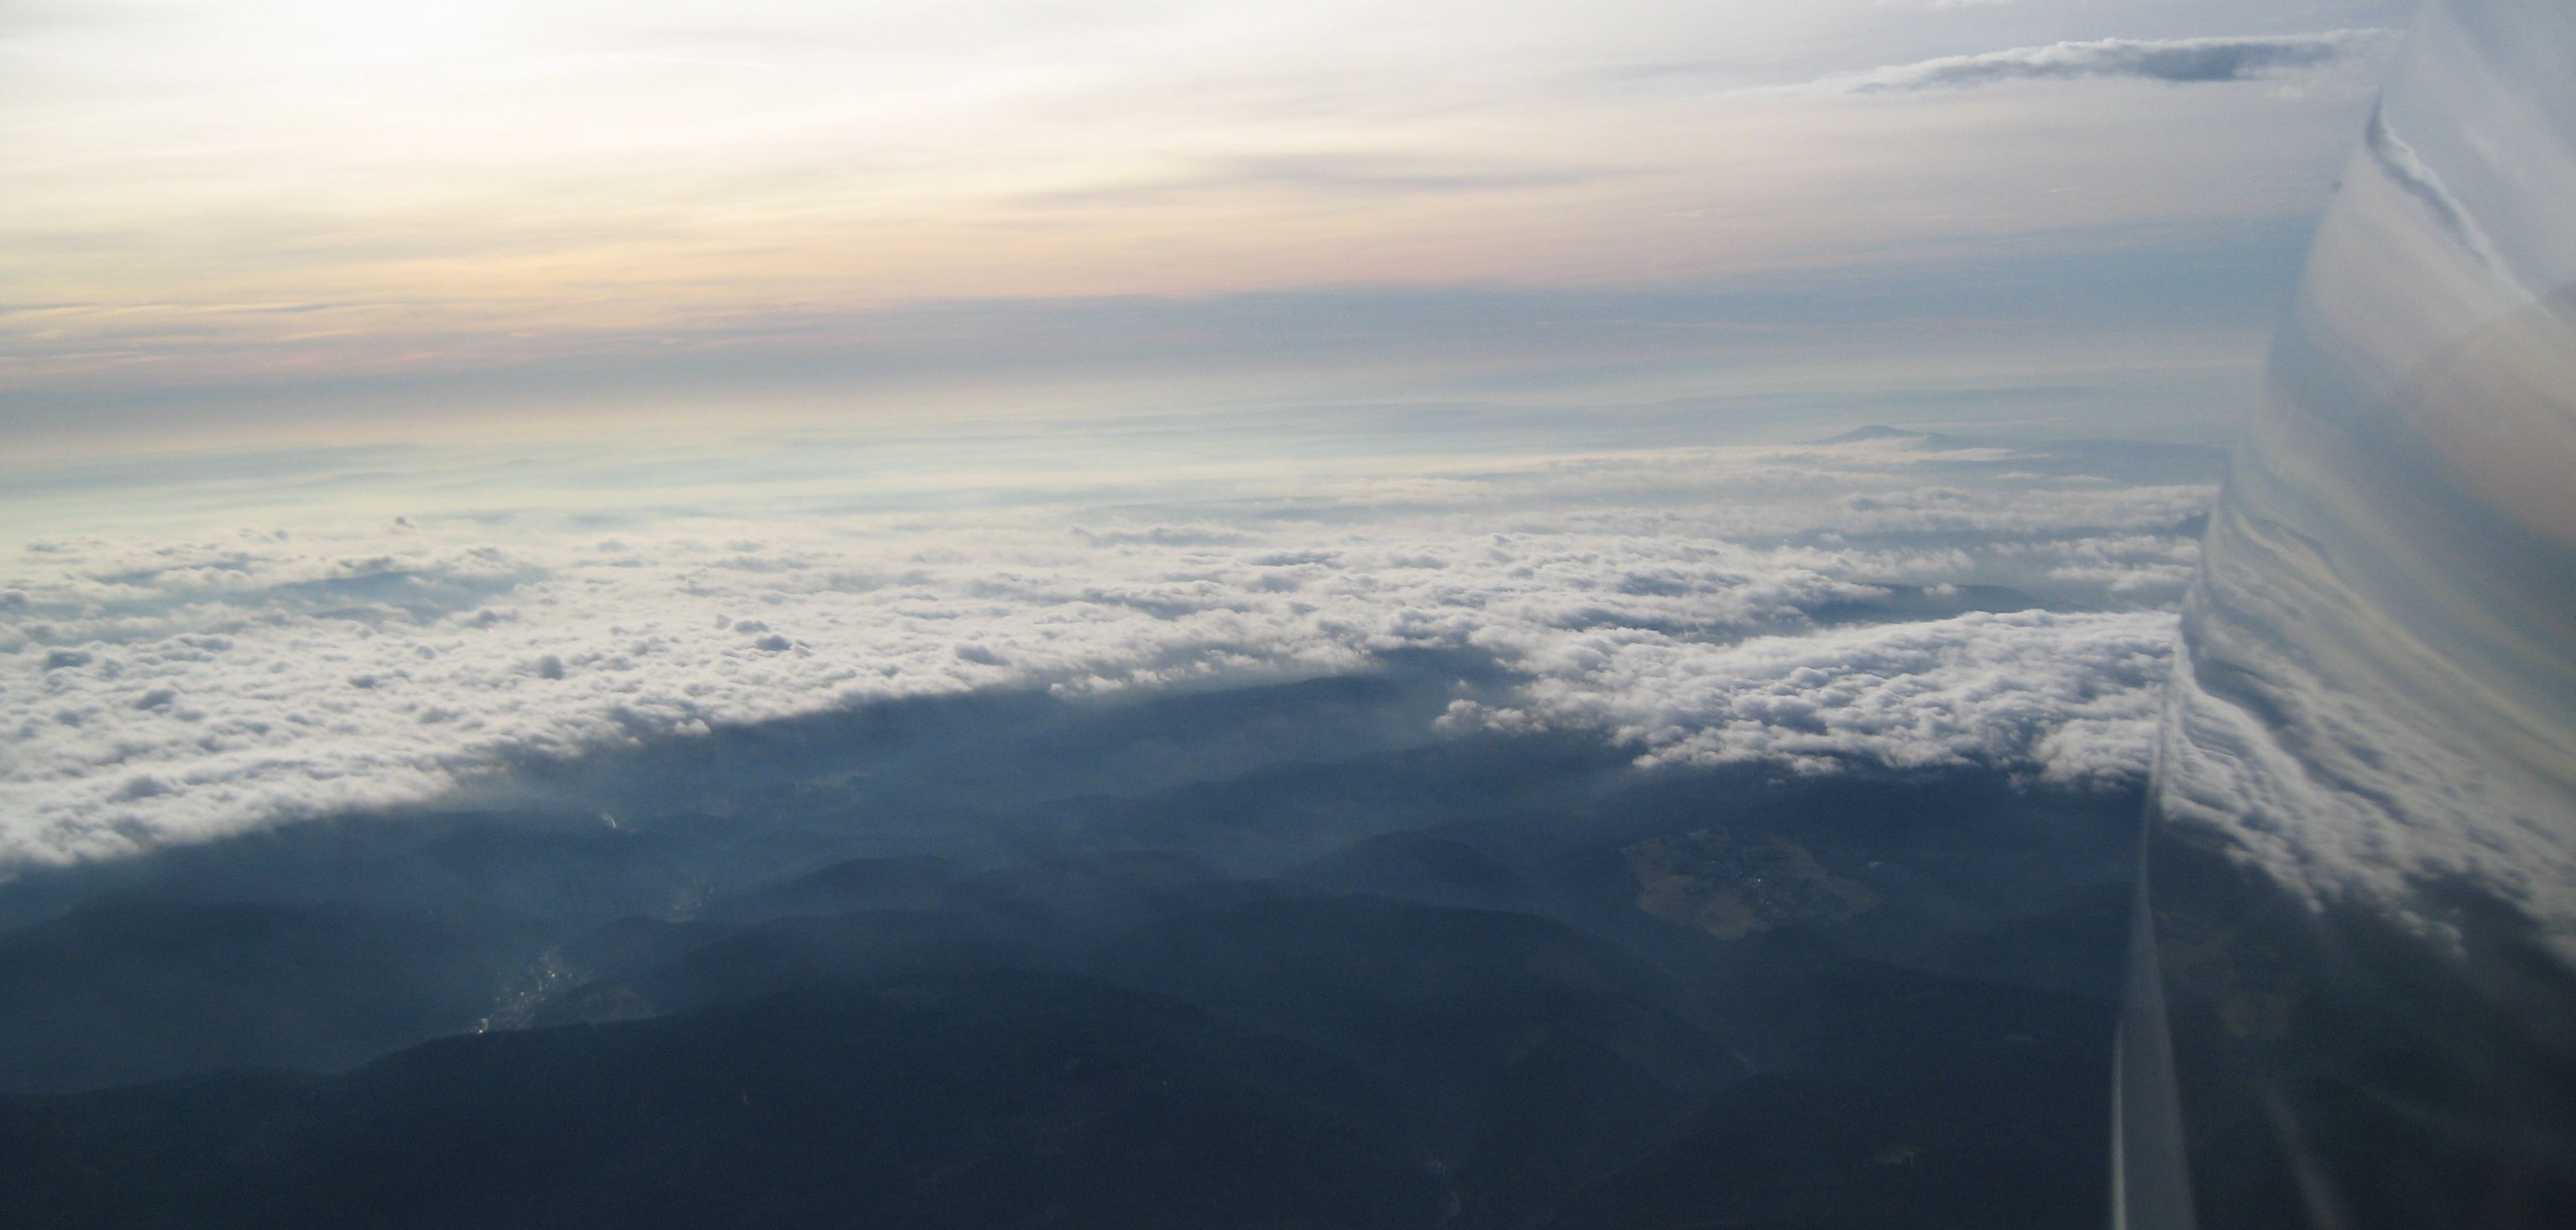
[2179, 61]
[1871, 602]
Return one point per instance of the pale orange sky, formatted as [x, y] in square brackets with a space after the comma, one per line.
[223, 197]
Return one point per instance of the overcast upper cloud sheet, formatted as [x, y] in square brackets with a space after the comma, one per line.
[1876, 602]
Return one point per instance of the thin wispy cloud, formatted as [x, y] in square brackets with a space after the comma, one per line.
[2177, 61]
[2406, 168]
[1322, 174]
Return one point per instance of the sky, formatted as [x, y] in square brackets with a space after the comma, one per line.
[389, 397]
[1835, 466]
[276, 223]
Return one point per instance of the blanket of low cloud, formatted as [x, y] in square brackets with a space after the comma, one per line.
[1894, 600]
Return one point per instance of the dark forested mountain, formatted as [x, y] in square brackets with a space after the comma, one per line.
[1487, 981]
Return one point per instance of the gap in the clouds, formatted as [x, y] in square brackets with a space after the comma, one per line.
[1316, 861]
[1450, 702]
[896, 771]
[1226, 782]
